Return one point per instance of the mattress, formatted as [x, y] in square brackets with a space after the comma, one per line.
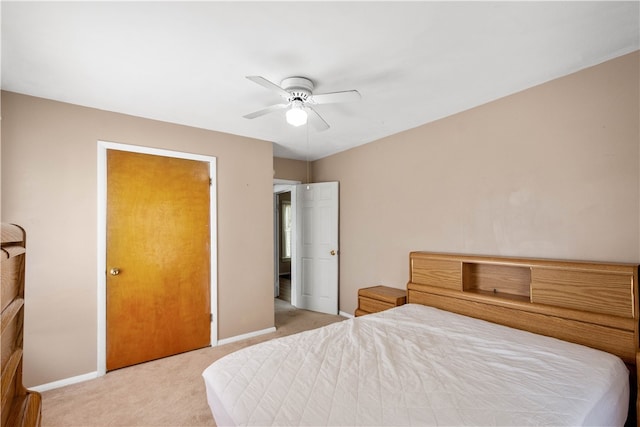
[414, 366]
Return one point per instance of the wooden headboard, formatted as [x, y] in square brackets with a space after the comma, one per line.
[589, 303]
[594, 304]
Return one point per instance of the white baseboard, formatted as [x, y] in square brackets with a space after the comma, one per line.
[245, 336]
[65, 382]
[94, 375]
[345, 314]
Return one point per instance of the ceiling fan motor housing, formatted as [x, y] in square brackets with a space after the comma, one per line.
[299, 88]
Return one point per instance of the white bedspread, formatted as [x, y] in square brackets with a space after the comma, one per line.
[416, 366]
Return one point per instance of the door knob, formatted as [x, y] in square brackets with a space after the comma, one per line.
[332, 252]
[114, 271]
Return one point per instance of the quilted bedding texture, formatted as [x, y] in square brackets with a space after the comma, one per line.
[415, 366]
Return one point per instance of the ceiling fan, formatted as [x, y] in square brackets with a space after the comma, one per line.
[300, 99]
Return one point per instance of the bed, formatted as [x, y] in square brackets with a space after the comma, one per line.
[481, 341]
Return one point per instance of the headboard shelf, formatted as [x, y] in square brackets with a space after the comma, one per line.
[497, 294]
[506, 280]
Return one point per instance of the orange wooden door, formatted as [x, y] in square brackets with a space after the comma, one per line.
[158, 257]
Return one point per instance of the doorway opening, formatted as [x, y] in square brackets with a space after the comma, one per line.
[314, 245]
[283, 235]
[284, 211]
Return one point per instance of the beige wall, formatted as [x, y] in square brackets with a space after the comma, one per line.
[294, 170]
[49, 181]
[548, 172]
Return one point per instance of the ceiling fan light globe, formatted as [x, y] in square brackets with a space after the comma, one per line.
[296, 116]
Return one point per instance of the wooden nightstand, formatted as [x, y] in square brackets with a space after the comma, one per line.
[379, 298]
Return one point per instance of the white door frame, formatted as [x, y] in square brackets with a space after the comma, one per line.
[103, 146]
[282, 186]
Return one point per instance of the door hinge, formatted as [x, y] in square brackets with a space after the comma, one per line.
[211, 317]
[210, 181]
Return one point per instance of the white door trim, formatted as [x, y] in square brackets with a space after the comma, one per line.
[103, 146]
[281, 186]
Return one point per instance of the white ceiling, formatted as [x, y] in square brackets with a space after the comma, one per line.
[412, 62]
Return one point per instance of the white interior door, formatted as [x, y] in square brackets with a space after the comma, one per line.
[317, 247]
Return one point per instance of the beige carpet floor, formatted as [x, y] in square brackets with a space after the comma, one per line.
[165, 392]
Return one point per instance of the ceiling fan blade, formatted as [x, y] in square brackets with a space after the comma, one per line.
[335, 97]
[264, 111]
[317, 121]
[269, 85]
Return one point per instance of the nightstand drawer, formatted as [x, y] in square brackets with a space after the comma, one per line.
[372, 305]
